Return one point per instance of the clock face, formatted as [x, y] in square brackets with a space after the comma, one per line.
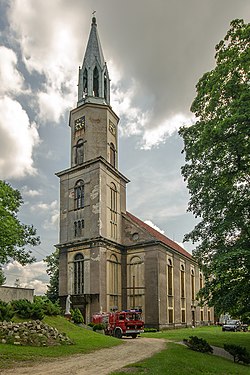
[80, 123]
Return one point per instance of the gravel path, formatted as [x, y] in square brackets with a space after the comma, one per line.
[100, 362]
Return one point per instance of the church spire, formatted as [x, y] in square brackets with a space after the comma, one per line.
[93, 82]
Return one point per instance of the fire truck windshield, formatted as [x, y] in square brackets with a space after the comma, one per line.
[133, 316]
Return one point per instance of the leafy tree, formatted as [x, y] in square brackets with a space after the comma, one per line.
[53, 272]
[14, 235]
[2, 277]
[217, 171]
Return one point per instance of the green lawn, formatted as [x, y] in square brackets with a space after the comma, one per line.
[179, 360]
[85, 341]
[213, 335]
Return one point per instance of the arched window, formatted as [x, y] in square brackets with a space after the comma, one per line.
[201, 280]
[79, 194]
[170, 278]
[112, 154]
[85, 81]
[113, 210]
[113, 280]
[182, 281]
[135, 279]
[105, 86]
[79, 274]
[95, 82]
[192, 285]
[79, 152]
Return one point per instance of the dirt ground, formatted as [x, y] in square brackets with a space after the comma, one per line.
[100, 362]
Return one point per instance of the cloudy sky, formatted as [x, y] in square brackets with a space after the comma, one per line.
[156, 51]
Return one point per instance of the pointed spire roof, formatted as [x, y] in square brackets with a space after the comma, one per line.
[94, 49]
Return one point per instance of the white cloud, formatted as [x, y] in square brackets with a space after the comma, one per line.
[152, 225]
[30, 276]
[17, 139]
[10, 78]
[155, 136]
[51, 210]
[25, 191]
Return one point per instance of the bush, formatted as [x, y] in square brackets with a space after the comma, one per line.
[98, 327]
[197, 344]
[49, 308]
[28, 310]
[150, 330]
[239, 353]
[6, 311]
[77, 316]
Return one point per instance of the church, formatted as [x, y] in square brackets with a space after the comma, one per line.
[110, 259]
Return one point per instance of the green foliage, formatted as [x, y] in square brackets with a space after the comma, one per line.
[28, 310]
[198, 344]
[14, 235]
[98, 327]
[239, 353]
[6, 311]
[217, 171]
[77, 316]
[146, 330]
[53, 272]
[2, 277]
[49, 308]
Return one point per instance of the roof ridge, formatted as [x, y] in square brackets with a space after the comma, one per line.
[159, 236]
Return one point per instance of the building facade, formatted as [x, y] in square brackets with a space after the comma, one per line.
[108, 257]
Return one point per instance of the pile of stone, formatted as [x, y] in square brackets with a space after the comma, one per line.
[34, 333]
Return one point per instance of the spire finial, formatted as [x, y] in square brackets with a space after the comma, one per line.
[93, 18]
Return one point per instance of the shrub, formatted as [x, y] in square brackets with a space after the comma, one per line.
[77, 316]
[150, 330]
[28, 310]
[98, 327]
[197, 344]
[239, 353]
[49, 308]
[6, 311]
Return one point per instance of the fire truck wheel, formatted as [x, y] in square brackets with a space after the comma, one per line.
[134, 335]
[118, 334]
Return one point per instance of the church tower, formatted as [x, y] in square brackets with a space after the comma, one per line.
[92, 193]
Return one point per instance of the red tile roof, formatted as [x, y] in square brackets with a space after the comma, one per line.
[158, 236]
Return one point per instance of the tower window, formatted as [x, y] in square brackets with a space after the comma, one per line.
[78, 226]
[79, 152]
[112, 154]
[113, 210]
[95, 82]
[85, 82]
[192, 285]
[79, 195]
[78, 274]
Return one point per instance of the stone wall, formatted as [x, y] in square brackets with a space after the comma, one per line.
[8, 294]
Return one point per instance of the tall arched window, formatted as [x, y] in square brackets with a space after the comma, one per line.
[95, 82]
[192, 285]
[112, 154]
[113, 210]
[201, 280]
[182, 281]
[79, 274]
[136, 280]
[170, 278]
[113, 280]
[85, 81]
[79, 194]
[79, 152]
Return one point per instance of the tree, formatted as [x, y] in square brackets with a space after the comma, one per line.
[14, 235]
[217, 171]
[2, 277]
[53, 272]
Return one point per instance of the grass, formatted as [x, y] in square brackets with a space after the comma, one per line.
[85, 341]
[178, 359]
[213, 335]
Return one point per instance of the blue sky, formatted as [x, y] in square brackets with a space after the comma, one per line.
[156, 52]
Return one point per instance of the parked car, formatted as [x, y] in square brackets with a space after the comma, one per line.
[232, 325]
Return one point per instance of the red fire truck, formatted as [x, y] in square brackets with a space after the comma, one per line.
[121, 323]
